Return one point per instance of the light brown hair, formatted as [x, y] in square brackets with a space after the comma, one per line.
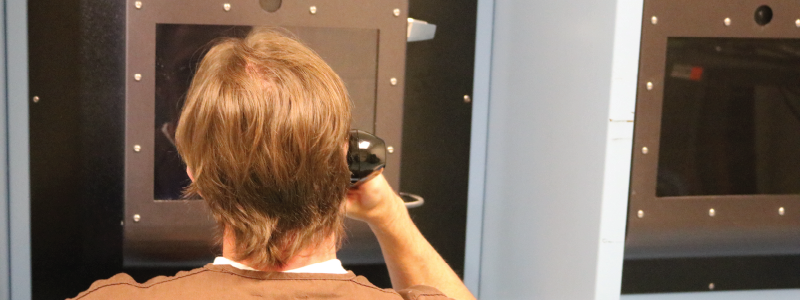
[263, 130]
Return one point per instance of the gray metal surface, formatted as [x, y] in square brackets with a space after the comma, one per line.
[739, 295]
[5, 275]
[180, 231]
[551, 69]
[477, 155]
[17, 98]
[684, 226]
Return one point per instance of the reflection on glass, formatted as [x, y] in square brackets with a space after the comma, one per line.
[730, 122]
[352, 53]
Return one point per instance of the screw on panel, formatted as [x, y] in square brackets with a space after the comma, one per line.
[645, 150]
[137, 218]
[649, 86]
[467, 99]
[797, 23]
[226, 7]
[396, 12]
[35, 99]
[312, 10]
[727, 21]
[137, 4]
[781, 211]
[137, 148]
[640, 214]
[711, 286]
[654, 20]
[390, 149]
[712, 212]
[137, 77]
[393, 81]
[122, 223]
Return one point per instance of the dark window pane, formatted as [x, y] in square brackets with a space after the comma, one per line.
[730, 122]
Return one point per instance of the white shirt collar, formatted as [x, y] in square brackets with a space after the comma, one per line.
[333, 266]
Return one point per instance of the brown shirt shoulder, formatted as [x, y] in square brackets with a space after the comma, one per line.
[227, 282]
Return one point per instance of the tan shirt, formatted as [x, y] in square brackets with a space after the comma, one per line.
[228, 282]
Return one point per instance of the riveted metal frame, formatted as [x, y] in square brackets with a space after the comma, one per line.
[179, 232]
[682, 226]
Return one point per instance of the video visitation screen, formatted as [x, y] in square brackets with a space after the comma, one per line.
[351, 52]
[730, 122]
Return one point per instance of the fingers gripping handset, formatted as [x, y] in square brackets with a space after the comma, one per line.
[370, 194]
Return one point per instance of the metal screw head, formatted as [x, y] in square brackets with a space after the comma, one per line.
[645, 150]
[711, 286]
[137, 218]
[781, 211]
[712, 212]
[649, 86]
[396, 12]
[393, 81]
[137, 4]
[390, 149]
[312, 10]
[137, 77]
[467, 99]
[137, 148]
[35, 99]
[797, 23]
[226, 7]
[640, 214]
[654, 20]
[727, 21]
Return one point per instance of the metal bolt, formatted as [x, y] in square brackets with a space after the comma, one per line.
[649, 86]
[645, 150]
[640, 214]
[137, 77]
[467, 99]
[122, 223]
[654, 20]
[136, 218]
[393, 81]
[712, 212]
[396, 12]
[137, 4]
[711, 286]
[781, 211]
[390, 149]
[312, 10]
[226, 7]
[797, 23]
[727, 21]
[35, 99]
[137, 148]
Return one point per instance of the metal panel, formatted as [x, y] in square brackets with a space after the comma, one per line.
[548, 114]
[5, 275]
[18, 152]
[169, 227]
[683, 226]
[477, 156]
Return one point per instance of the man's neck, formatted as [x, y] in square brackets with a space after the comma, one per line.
[324, 252]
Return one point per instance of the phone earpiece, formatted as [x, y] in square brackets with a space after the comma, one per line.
[366, 156]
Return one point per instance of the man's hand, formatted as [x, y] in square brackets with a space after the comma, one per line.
[374, 202]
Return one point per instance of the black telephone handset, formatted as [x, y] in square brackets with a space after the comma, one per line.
[366, 156]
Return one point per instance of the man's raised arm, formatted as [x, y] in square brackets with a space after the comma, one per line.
[410, 258]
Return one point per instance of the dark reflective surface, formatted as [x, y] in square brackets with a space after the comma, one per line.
[351, 52]
[366, 156]
[731, 117]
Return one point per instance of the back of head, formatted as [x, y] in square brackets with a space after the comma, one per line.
[263, 131]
